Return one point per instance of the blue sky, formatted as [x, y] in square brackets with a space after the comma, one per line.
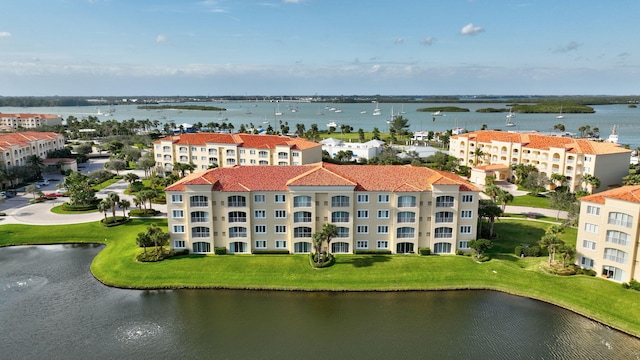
[324, 47]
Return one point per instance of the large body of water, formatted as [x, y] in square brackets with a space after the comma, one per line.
[52, 308]
[606, 116]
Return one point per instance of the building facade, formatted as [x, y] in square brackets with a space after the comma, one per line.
[608, 233]
[393, 208]
[225, 150]
[15, 148]
[549, 154]
[28, 121]
[367, 150]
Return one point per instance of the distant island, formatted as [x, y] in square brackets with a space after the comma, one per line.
[443, 109]
[181, 107]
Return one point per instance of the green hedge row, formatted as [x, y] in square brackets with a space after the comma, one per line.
[424, 251]
[271, 252]
[220, 250]
[373, 252]
[531, 251]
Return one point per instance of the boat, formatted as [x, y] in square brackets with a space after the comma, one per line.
[338, 111]
[458, 131]
[437, 113]
[402, 110]
[560, 116]
[363, 111]
[510, 123]
[613, 138]
[278, 112]
[377, 110]
[332, 124]
[511, 115]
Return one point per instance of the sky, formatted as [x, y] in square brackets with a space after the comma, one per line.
[323, 47]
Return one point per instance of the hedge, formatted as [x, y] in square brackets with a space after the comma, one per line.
[424, 251]
[220, 250]
[270, 252]
[373, 252]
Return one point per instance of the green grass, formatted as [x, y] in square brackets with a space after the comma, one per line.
[597, 298]
[543, 218]
[104, 184]
[59, 210]
[511, 233]
[530, 200]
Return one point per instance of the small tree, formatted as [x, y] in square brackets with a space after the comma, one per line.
[113, 199]
[503, 197]
[116, 165]
[124, 204]
[318, 238]
[480, 246]
[489, 210]
[551, 241]
[103, 207]
[32, 189]
[329, 231]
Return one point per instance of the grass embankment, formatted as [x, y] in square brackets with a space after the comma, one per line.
[553, 107]
[597, 298]
[531, 200]
[443, 109]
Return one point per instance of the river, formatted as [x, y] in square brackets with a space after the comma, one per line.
[51, 307]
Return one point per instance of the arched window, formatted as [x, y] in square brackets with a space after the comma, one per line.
[199, 216]
[237, 232]
[405, 232]
[236, 201]
[200, 247]
[339, 217]
[302, 217]
[620, 219]
[406, 217]
[444, 233]
[302, 201]
[444, 217]
[406, 201]
[404, 248]
[615, 255]
[442, 248]
[237, 216]
[617, 237]
[340, 201]
[198, 201]
[302, 247]
[444, 201]
[200, 232]
[342, 232]
[302, 232]
[340, 247]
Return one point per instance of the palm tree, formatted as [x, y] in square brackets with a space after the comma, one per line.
[103, 207]
[329, 231]
[590, 180]
[124, 204]
[567, 253]
[489, 210]
[561, 179]
[477, 153]
[318, 238]
[131, 178]
[492, 191]
[503, 197]
[113, 199]
[551, 241]
[36, 163]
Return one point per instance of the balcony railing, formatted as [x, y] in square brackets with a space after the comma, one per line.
[234, 219]
[443, 204]
[199, 219]
[444, 219]
[237, 203]
[620, 223]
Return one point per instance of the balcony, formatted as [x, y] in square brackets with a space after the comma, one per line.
[199, 219]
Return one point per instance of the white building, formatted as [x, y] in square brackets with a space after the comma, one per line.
[367, 150]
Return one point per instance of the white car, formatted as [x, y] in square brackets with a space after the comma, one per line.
[42, 183]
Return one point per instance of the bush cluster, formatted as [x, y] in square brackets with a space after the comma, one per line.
[633, 284]
[373, 252]
[329, 260]
[144, 212]
[114, 221]
[424, 251]
[220, 250]
[67, 207]
[530, 251]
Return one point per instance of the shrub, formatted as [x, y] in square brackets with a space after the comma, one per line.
[220, 250]
[144, 212]
[483, 258]
[459, 252]
[533, 251]
[2, 214]
[329, 260]
[424, 251]
[118, 220]
[633, 285]
[67, 207]
[373, 252]
[270, 252]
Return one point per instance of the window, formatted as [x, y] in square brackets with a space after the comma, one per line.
[362, 244]
[444, 201]
[382, 244]
[201, 246]
[444, 217]
[593, 210]
[592, 228]
[339, 217]
[363, 214]
[252, 162]
[442, 248]
[237, 231]
[236, 201]
[295, 154]
[178, 229]
[302, 201]
[405, 232]
[252, 152]
[281, 229]
[261, 244]
[362, 229]
[237, 216]
[213, 151]
[259, 198]
[281, 244]
[464, 244]
[198, 201]
[444, 233]
[406, 201]
[383, 214]
[363, 198]
[177, 214]
[263, 154]
[302, 247]
[383, 229]
[259, 214]
[176, 198]
[260, 229]
[466, 214]
[280, 214]
[588, 244]
[241, 151]
[302, 217]
[231, 152]
[340, 247]
[179, 244]
[231, 161]
[406, 217]
[617, 237]
[199, 216]
[339, 201]
[342, 232]
[383, 198]
[262, 162]
[200, 232]
[612, 272]
[237, 247]
[586, 262]
[302, 232]
[620, 219]
[283, 155]
[467, 198]
[280, 198]
[466, 229]
[615, 255]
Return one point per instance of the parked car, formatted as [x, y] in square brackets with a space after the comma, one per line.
[42, 183]
[3, 195]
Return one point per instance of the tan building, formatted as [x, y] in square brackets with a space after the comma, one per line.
[393, 208]
[225, 150]
[549, 154]
[608, 233]
[28, 121]
[15, 148]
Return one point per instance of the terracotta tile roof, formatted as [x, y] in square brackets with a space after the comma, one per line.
[24, 138]
[492, 167]
[242, 140]
[29, 116]
[360, 177]
[626, 193]
[544, 142]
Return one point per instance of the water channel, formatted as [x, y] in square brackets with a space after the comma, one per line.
[51, 307]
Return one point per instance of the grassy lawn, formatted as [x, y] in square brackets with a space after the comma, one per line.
[115, 265]
[103, 185]
[532, 201]
[544, 218]
[59, 210]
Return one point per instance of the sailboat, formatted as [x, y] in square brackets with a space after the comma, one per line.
[613, 138]
[363, 111]
[278, 112]
[402, 110]
[377, 110]
[511, 115]
[560, 116]
[509, 122]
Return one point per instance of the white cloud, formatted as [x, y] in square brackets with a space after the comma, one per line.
[571, 46]
[470, 29]
[292, 1]
[427, 41]
[398, 41]
[4, 34]
[161, 39]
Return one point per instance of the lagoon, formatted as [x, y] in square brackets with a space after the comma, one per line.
[51, 307]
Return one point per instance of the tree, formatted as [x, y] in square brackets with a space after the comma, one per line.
[631, 180]
[559, 127]
[480, 246]
[376, 133]
[590, 181]
[551, 241]
[131, 178]
[32, 189]
[561, 201]
[146, 163]
[559, 179]
[103, 207]
[35, 163]
[329, 231]
[318, 238]
[143, 240]
[522, 171]
[535, 182]
[492, 191]
[112, 199]
[477, 153]
[489, 210]
[80, 191]
[116, 165]
[567, 253]
[399, 125]
[361, 135]
[84, 149]
[503, 197]
[124, 204]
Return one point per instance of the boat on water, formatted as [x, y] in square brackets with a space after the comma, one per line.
[511, 114]
[338, 111]
[332, 124]
[560, 116]
[363, 111]
[278, 112]
[402, 110]
[458, 131]
[437, 113]
[510, 123]
[377, 110]
[613, 138]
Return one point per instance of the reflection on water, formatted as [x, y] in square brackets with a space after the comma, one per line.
[49, 300]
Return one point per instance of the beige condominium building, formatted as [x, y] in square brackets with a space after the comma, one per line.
[549, 154]
[224, 150]
[393, 208]
[15, 148]
[28, 121]
[608, 233]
